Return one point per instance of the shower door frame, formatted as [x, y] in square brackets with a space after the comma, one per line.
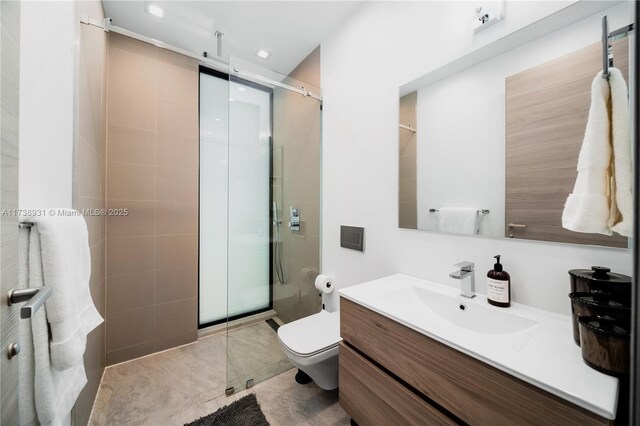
[232, 78]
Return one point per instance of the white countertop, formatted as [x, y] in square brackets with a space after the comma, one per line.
[544, 355]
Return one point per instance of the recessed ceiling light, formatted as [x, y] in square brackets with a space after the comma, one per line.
[231, 99]
[156, 10]
[242, 89]
[217, 119]
[263, 54]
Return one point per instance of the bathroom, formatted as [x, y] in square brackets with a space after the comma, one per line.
[260, 186]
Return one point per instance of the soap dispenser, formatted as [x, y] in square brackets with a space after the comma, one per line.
[498, 286]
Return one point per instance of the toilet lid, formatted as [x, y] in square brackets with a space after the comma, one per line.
[311, 334]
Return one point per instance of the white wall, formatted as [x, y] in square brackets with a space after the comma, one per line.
[470, 157]
[47, 88]
[381, 47]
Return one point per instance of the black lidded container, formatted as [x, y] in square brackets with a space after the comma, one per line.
[597, 303]
[605, 345]
[601, 279]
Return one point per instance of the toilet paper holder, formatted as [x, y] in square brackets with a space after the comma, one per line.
[324, 283]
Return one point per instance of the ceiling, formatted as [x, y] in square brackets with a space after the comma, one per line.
[289, 30]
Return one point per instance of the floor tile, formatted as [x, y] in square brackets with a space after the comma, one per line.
[182, 384]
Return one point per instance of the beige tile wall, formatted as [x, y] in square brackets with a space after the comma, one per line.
[152, 170]
[89, 189]
[296, 182]
[407, 202]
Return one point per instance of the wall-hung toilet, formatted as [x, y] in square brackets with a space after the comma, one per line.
[311, 344]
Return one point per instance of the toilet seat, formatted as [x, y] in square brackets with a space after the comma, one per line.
[311, 335]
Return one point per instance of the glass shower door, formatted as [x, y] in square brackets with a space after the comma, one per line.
[263, 276]
[241, 190]
[249, 227]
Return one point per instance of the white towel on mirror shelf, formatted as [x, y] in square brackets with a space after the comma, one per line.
[458, 220]
[587, 208]
[622, 161]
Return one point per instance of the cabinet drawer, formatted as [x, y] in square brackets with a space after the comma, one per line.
[473, 391]
[371, 397]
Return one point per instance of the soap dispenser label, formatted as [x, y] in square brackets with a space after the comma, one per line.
[498, 290]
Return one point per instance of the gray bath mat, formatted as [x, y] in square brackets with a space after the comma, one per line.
[243, 412]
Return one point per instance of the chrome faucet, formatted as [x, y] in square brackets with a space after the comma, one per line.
[467, 277]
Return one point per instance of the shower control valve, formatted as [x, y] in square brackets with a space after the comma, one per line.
[294, 223]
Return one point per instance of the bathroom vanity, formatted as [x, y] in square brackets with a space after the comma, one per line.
[415, 352]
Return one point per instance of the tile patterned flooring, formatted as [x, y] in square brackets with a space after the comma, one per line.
[180, 385]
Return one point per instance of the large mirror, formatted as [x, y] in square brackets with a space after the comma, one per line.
[489, 143]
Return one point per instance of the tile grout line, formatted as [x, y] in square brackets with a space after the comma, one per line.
[155, 195]
[104, 185]
[137, 308]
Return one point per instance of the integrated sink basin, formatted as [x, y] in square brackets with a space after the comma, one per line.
[460, 311]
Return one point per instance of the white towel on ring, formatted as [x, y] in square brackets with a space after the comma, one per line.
[46, 395]
[59, 257]
[66, 266]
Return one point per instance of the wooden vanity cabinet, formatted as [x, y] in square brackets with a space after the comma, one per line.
[391, 374]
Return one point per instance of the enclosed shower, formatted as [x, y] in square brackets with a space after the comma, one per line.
[259, 211]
